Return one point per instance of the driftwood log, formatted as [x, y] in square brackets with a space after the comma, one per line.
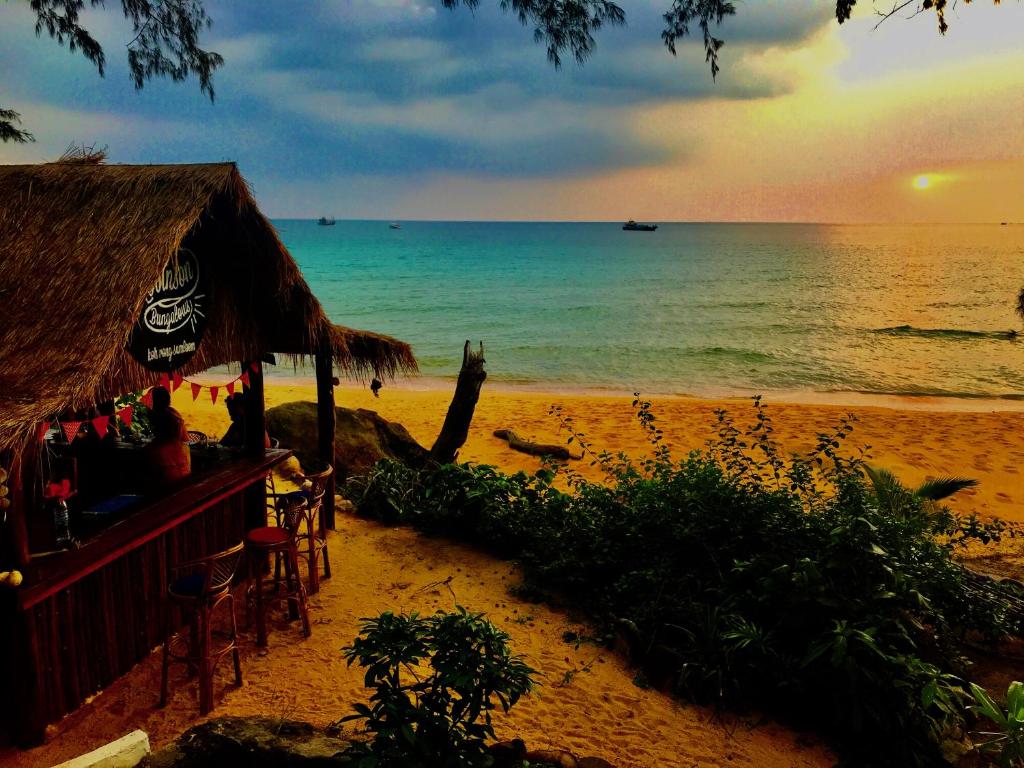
[455, 429]
[516, 443]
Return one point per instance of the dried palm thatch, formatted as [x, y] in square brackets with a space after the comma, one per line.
[81, 244]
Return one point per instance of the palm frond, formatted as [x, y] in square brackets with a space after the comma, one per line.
[889, 491]
[943, 487]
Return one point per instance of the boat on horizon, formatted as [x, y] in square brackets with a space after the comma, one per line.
[394, 225]
[632, 226]
[323, 221]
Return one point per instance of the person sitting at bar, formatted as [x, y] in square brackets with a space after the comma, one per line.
[235, 436]
[168, 453]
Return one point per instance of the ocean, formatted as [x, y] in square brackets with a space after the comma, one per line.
[703, 309]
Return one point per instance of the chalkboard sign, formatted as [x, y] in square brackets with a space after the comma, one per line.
[171, 325]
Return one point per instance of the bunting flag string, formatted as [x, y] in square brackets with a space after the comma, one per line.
[100, 424]
[230, 387]
[170, 382]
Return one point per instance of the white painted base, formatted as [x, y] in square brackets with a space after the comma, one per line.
[126, 752]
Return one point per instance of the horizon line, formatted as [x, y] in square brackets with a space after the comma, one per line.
[994, 222]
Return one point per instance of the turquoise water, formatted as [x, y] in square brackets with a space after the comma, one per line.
[691, 308]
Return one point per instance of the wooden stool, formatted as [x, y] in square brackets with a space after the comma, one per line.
[279, 541]
[197, 588]
[312, 535]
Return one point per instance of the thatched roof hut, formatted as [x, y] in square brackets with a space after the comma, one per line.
[81, 245]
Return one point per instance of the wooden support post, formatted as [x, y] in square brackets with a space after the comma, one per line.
[325, 424]
[16, 524]
[255, 413]
[255, 444]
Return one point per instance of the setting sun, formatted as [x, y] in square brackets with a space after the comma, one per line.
[922, 182]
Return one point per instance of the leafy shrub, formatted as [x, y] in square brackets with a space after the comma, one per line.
[140, 426]
[1006, 744]
[750, 579]
[436, 680]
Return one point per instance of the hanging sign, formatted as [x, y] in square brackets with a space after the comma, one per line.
[173, 318]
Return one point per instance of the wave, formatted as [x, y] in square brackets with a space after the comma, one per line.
[946, 333]
[924, 392]
[729, 353]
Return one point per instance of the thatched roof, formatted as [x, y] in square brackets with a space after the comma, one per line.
[82, 244]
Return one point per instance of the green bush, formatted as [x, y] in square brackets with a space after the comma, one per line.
[436, 681]
[1007, 743]
[747, 579]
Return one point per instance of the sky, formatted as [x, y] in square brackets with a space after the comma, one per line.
[401, 109]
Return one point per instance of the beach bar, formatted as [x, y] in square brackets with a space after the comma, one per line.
[116, 279]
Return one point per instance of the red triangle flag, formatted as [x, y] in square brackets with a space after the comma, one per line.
[195, 390]
[147, 399]
[165, 381]
[213, 394]
[125, 415]
[70, 429]
[176, 381]
[100, 424]
[244, 378]
[230, 387]
[43, 429]
[255, 366]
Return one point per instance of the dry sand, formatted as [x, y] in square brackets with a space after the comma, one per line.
[914, 443]
[595, 709]
[598, 711]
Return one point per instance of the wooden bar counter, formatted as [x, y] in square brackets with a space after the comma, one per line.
[84, 617]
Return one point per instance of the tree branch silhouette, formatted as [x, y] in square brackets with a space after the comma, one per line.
[166, 33]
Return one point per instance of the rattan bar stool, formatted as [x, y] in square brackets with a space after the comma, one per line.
[280, 542]
[197, 587]
[312, 534]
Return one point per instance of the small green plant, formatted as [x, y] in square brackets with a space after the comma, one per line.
[139, 427]
[436, 681]
[1007, 743]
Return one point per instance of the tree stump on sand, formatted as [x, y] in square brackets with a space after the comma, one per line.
[516, 443]
[460, 413]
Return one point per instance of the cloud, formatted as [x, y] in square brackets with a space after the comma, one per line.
[404, 88]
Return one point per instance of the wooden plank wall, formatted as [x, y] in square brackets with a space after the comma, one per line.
[86, 636]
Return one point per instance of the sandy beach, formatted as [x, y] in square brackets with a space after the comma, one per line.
[588, 702]
[915, 438]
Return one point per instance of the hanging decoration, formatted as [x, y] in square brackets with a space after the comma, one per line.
[70, 429]
[100, 424]
[170, 381]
